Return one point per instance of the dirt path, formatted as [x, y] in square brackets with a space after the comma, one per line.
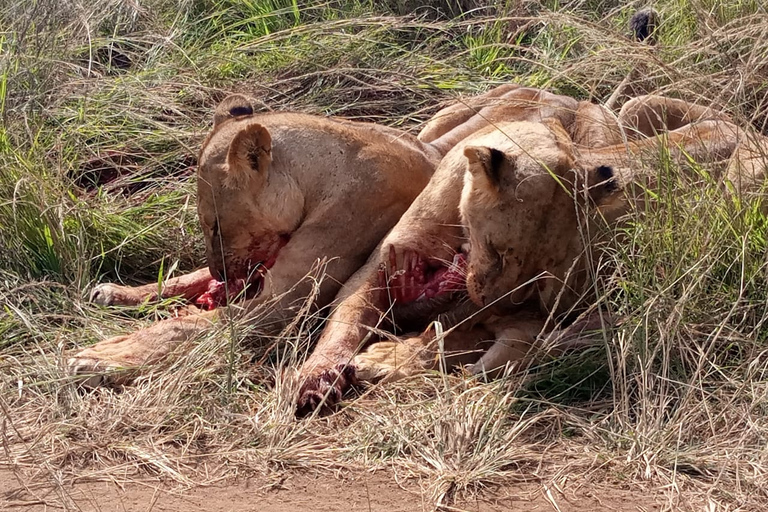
[368, 493]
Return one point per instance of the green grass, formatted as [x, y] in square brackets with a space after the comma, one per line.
[677, 394]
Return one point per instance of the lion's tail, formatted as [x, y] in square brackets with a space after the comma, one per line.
[643, 25]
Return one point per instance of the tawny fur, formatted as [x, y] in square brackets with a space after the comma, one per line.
[528, 260]
[330, 188]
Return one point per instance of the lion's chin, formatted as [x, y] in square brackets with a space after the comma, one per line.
[221, 293]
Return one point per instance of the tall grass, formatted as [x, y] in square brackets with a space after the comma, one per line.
[676, 396]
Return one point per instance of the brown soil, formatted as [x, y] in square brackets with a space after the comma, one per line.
[299, 492]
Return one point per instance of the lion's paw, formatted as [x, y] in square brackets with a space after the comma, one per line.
[110, 294]
[93, 373]
[111, 362]
[325, 389]
[390, 361]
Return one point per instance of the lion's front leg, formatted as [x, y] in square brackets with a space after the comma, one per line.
[120, 359]
[349, 327]
[368, 306]
[330, 371]
[519, 340]
[515, 343]
[188, 286]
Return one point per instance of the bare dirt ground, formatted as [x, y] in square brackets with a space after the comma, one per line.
[293, 492]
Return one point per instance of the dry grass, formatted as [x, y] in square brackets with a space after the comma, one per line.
[676, 398]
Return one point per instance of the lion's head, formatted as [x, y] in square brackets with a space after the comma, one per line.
[520, 204]
[248, 207]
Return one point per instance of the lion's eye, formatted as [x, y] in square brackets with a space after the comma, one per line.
[493, 251]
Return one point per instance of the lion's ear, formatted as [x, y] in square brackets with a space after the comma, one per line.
[603, 185]
[250, 150]
[485, 164]
[234, 105]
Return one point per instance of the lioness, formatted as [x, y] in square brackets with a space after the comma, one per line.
[276, 192]
[540, 265]
[518, 192]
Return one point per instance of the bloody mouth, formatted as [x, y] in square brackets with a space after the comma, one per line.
[220, 293]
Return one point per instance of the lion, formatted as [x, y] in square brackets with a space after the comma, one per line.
[276, 193]
[503, 221]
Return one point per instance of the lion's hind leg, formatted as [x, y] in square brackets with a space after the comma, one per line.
[460, 112]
